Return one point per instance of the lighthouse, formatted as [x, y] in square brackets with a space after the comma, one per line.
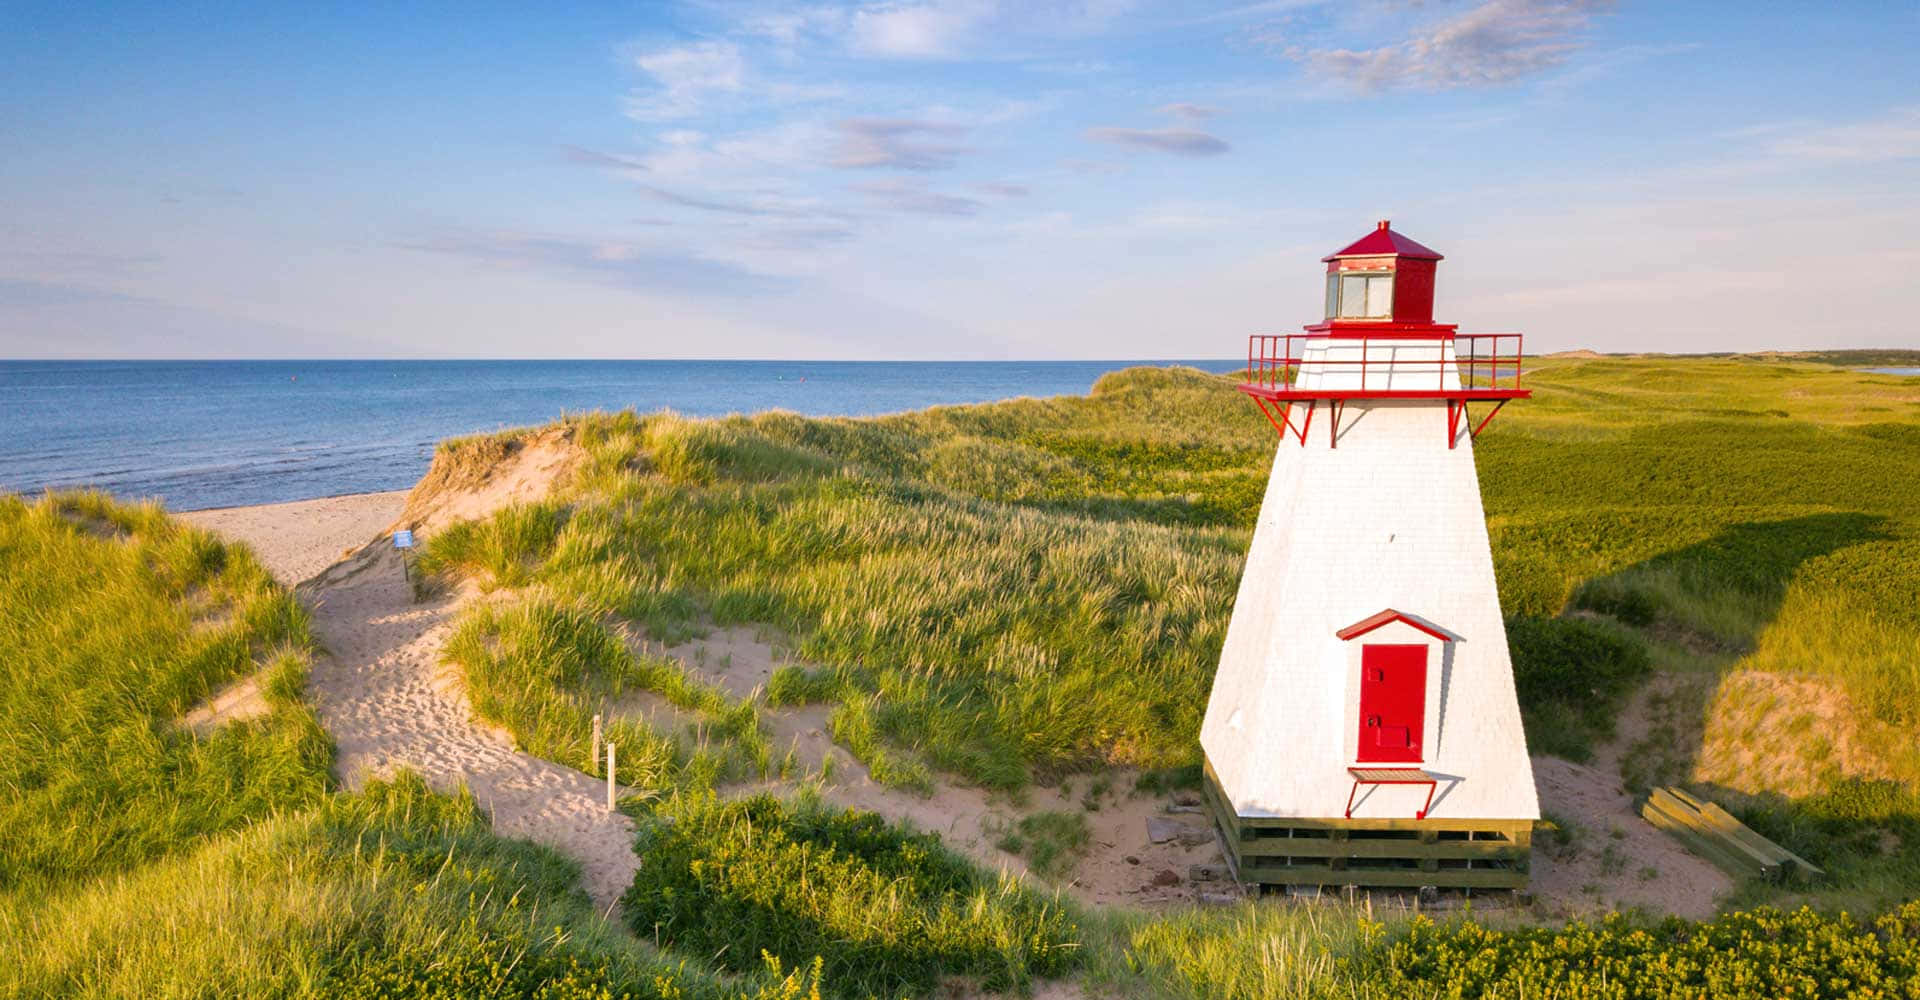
[1363, 727]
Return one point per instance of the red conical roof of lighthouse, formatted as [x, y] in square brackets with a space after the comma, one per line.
[1382, 242]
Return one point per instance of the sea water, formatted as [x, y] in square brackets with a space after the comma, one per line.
[226, 433]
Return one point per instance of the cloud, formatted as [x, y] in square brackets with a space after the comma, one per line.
[901, 29]
[906, 196]
[1003, 189]
[917, 31]
[760, 209]
[594, 158]
[802, 237]
[69, 263]
[1493, 43]
[898, 143]
[1895, 136]
[686, 76]
[1178, 141]
[1189, 112]
[26, 294]
[616, 262]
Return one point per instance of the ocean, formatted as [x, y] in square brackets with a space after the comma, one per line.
[226, 433]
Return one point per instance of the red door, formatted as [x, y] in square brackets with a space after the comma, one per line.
[1393, 704]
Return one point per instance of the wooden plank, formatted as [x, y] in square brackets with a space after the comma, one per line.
[1787, 858]
[1710, 848]
[1511, 827]
[1716, 824]
[1319, 847]
[1217, 798]
[1453, 878]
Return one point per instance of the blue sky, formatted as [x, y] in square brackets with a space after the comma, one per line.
[976, 179]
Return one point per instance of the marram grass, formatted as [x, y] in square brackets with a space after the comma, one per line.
[391, 892]
[1040, 585]
[114, 622]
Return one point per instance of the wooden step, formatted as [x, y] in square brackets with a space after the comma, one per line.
[1714, 834]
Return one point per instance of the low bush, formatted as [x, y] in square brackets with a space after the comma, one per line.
[887, 913]
[1571, 676]
[1052, 842]
[1761, 954]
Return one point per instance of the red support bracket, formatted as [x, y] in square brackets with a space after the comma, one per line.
[1335, 407]
[1391, 776]
[1497, 404]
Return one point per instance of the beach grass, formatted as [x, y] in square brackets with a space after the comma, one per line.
[884, 912]
[1038, 586]
[115, 621]
[391, 892]
[142, 858]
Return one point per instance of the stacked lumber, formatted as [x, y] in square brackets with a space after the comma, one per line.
[1713, 833]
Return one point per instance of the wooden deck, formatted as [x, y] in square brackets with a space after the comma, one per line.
[1385, 853]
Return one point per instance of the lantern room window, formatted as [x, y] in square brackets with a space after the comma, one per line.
[1360, 295]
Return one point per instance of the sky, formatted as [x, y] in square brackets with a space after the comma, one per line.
[975, 179]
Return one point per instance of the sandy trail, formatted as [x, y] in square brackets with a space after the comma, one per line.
[384, 696]
[299, 539]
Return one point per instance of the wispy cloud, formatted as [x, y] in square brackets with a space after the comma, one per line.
[1894, 136]
[918, 30]
[1189, 112]
[908, 196]
[685, 77]
[898, 143]
[1178, 141]
[617, 262]
[1003, 190]
[1495, 42]
[760, 208]
[595, 158]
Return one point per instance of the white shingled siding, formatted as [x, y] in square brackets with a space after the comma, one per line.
[1391, 518]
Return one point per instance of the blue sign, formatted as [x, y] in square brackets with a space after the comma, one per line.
[403, 539]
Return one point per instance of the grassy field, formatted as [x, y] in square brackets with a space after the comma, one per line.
[140, 859]
[1042, 585]
[114, 621]
[884, 913]
[997, 594]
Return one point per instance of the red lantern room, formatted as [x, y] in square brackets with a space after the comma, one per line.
[1381, 285]
[1378, 341]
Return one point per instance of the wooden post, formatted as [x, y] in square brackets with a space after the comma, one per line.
[610, 774]
[594, 758]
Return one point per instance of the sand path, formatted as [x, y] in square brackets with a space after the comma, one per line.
[298, 539]
[387, 701]
[383, 694]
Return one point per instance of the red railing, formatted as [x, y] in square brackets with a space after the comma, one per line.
[1483, 362]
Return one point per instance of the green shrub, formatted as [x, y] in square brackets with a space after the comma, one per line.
[887, 913]
[1571, 676]
[1762, 954]
[1052, 842]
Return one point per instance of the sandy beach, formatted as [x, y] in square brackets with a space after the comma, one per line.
[297, 540]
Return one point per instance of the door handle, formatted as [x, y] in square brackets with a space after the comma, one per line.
[1373, 720]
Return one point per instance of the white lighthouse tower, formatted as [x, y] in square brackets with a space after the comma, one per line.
[1363, 728]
